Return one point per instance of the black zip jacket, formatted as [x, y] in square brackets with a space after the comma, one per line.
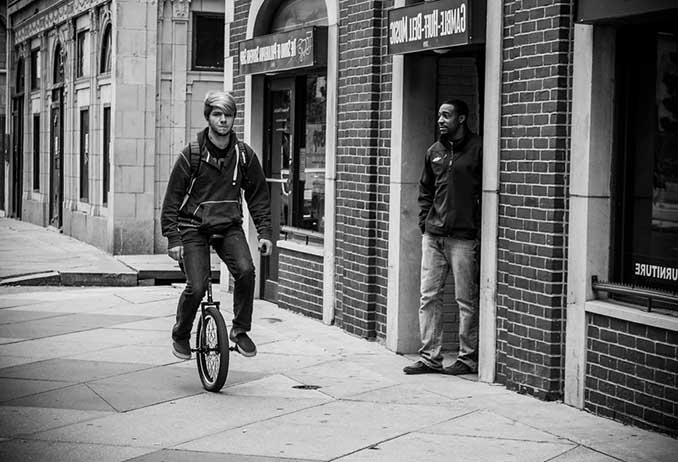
[450, 188]
[214, 202]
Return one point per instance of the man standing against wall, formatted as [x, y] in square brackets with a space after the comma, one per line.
[449, 218]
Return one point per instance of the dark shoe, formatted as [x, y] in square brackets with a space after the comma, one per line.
[458, 368]
[244, 344]
[181, 349]
[420, 367]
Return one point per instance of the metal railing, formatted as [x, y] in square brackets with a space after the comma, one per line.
[667, 300]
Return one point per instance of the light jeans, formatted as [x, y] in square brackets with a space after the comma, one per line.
[439, 255]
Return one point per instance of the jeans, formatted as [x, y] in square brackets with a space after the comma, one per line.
[235, 252]
[439, 255]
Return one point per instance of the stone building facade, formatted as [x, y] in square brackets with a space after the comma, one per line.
[339, 100]
[110, 92]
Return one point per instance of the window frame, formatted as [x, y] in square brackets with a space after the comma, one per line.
[106, 50]
[81, 60]
[84, 154]
[194, 42]
[35, 69]
[36, 151]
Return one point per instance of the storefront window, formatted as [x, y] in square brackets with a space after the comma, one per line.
[303, 169]
[312, 155]
[647, 185]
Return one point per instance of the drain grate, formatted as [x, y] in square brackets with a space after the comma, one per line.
[306, 387]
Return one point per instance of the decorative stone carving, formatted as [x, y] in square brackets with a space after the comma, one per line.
[180, 9]
[22, 50]
[104, 16]
[52, 16]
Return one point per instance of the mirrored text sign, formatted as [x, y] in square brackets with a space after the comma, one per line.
[429, 25]
[299, 48]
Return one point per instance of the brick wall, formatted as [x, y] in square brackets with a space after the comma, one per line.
[531, 266]
[300, 278]
[362, 171]
[632, 373]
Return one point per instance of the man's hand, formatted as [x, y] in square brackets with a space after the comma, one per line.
[176, 253]
[265, 247]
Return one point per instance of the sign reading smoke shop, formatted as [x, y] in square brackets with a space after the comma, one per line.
[429, 25]
[295, 49]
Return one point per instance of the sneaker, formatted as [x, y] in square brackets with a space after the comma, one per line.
[244, 344]
[181, 349]
[458, 368]
[420, 367]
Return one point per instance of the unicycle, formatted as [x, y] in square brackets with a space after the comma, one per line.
[212, 346]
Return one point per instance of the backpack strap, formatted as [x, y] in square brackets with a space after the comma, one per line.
[194, 158]
[241, 152]
[194, 148]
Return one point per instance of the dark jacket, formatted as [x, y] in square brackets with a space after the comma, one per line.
[214, 203]
[450, 188]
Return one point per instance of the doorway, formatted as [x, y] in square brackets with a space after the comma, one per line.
[278, 147]
[56, 159]
[18, 156]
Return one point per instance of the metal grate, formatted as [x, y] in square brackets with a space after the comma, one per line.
[652, 298]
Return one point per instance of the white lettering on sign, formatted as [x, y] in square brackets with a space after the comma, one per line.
[415, 28]
[271, 52]
[656, 271]
[399, 31]
[431, 24]
[426, 26]
[453, 21]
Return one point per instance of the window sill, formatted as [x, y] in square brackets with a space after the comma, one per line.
[632, 314]
[297, 246]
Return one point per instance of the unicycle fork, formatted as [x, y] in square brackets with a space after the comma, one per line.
[212, 345]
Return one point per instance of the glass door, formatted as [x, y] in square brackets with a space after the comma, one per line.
[277, 158]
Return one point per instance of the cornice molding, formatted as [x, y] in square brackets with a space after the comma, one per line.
[53, 15]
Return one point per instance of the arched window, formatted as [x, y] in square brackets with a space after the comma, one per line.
[20, 77]
[292, 14]
[106, 41]
[58, 75]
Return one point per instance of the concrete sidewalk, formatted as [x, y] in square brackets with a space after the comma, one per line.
[86, 374]
[33, 255]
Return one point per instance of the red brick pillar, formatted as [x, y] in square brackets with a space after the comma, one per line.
[532, 254]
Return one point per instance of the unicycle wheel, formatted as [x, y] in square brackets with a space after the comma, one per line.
[212, 352]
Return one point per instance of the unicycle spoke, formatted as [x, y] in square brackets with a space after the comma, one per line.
[212, 349]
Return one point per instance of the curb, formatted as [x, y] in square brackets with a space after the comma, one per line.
[55, 278]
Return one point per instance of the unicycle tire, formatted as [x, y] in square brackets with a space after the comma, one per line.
[212, 349]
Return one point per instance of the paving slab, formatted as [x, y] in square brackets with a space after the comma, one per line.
[40, 328]
[322, 432]
[487, 424]
[277, 385]
[173, 455]
[16, 388]
[79, 397]
[167, 424]
[146, 388]
[69, 370]
[115, 336]
[340, 378]
[583, 454]
[20, 420]
[9, 361]
[53, 451]
[424, 447]
[48, 348]
[155, 355]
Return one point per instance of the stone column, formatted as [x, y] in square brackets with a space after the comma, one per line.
[135, 28]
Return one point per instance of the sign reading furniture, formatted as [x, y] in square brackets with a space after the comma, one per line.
[432, 25]
[306, 47]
